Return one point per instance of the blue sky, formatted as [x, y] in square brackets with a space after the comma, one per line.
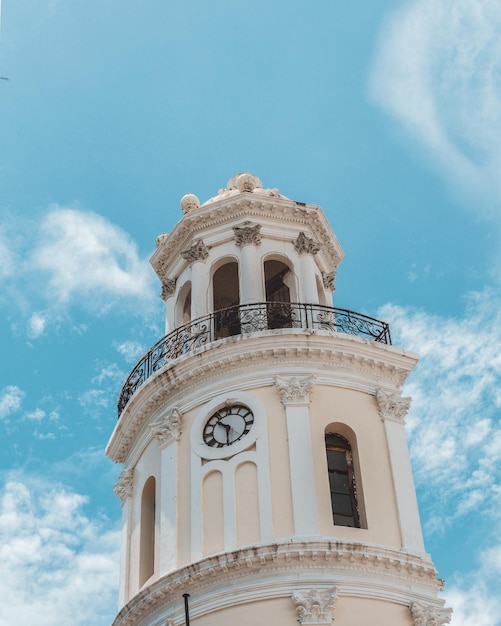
[386, 114]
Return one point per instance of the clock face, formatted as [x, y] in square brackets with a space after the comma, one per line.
[228, 425]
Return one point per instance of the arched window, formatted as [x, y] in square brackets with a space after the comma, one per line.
[342, 481]
[147, 536]
[278, 294]
[226, 298]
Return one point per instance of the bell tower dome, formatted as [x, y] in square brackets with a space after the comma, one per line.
[266, 470]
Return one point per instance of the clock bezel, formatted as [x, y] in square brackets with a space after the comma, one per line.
[229, 409]
[258, 430]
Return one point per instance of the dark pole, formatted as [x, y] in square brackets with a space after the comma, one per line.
[186, 608]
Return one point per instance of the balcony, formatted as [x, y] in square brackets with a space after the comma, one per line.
[245, 319]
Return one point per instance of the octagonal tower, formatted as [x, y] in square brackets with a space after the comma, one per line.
[266, 470]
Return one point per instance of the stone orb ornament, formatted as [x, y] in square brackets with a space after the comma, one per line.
[247, 182]
[189, 202]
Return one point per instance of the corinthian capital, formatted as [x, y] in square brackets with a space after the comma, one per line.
[391, 405]
[306, 245]
[197, 252]
[329, 280]
[168, 288]
[294, 390]
[123, 488]
[428, 615]
[315, 606]
[168, 426]
[247, 235]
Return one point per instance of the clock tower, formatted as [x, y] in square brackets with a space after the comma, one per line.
[266, 473]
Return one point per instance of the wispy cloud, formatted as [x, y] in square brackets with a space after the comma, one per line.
[475, 598]
[437, 71]
[130, 350]
[11, 398]
[455, 419]
[70, 258]
[85, 255]
[61, 564]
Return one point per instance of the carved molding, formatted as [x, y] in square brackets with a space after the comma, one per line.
[123, 488]
[395, 572]
[329, 280]
[168, 426]
[365, 361]
[247, 235]
[197, 252]
[161, 239]
[429, 615]
[294, 390]
[315, 606]
[391, 405]
[306, 245]
[168, 288]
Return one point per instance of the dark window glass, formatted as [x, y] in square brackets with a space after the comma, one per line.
[342, 481]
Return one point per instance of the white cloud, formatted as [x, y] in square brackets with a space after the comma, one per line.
[130, 350]
[62, 566]
[472, 597]
[36, 415]
[11, 398]
[89, 259]
[455, 419]
[437, 71]
[36, 325]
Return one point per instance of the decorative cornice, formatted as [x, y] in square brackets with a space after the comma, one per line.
[168, 427]
[391, 405]
[329, 278]
[247, 235]
[356, 363]
[429, 615]
[196, 252]
[168, 288]
[315, 606]
[306, 245]
[294, 391]
[281, 564]
[123, 488]
[276, 213]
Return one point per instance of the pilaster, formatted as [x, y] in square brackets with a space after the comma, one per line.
[392, 410]
[295, 396]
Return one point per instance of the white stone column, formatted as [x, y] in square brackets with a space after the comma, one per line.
[295, 397]
[123, 489]
[196, 255]
[167, 431]
[307, 248]
[247, 238]
[392, 409]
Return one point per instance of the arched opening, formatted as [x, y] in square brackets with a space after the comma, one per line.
[183, 305]
[342, 482]
[147, 532]
[277, 278]
[226, 298]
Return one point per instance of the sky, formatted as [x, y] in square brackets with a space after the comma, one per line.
[387, 114]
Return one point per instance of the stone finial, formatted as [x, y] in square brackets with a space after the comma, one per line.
[428, 615]
[168, 288]
[305, 245]
[246, 235]
[391, 405]
[315, 606]
[294, 390]
[328, 280]
[161, 238]
[197, 252]
[168, 426]
[123, 488]
[189, 202]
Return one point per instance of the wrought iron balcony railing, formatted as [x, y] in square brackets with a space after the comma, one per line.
[249, 318]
